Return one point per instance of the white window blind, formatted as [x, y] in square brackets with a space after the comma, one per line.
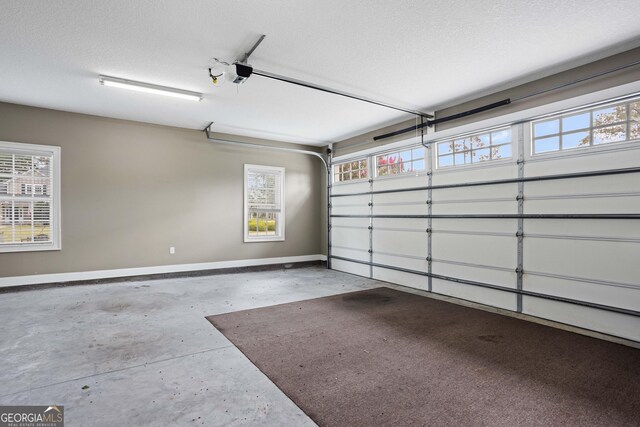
[28, 197]
[264, 203]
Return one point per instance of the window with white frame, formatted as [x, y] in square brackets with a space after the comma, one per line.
[476, 148]
[263, 203]
[616, 122]
[401, 161]
[29, 197]
[350, 171]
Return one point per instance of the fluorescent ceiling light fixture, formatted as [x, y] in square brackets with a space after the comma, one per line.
[149, 88]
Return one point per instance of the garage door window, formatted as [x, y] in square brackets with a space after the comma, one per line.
[475, 148]
[597, 126]
[400, 162]
[350, 171]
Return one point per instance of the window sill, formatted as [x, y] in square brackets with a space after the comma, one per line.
[31, 248]
[263, 239]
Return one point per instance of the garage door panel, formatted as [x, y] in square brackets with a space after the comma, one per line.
[501, 170]
[394, 260]
[478, 207]
[397, 182]
[400, 242]
[475, 193]
[350, 237]
[406, 203]
[582, 205]
[483, 250]
[476, 274]
[400, 223]
[400, 278]
[350, 187]
[592, 185]
[623, 229]
[350, 267]
[351, 253]
[351, 205]
[596, 320]
[408, 208]
[509, 226]
[607, 261]
[494, 298]
[615, 296]
[351, 222]
[403, 197]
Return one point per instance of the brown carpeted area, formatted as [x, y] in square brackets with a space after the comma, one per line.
[386, 357]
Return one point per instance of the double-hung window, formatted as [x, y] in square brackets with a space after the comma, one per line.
[263, 203]
[29, 197]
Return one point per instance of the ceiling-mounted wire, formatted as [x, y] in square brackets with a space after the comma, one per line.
[217, 79]
[220, 61]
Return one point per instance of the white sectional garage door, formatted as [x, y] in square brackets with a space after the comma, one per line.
[565, 249]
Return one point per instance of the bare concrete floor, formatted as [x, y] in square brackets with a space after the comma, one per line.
[142, 353]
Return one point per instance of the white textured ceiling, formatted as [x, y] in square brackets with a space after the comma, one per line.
[420, 54]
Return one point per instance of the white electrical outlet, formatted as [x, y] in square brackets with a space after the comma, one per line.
[172, 250]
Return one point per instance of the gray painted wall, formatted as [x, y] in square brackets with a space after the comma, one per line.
[365, 141]
[131, 190]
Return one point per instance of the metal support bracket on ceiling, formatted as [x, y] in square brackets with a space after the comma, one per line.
[243, 59]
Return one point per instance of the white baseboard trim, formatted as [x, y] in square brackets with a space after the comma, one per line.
[141, 271]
